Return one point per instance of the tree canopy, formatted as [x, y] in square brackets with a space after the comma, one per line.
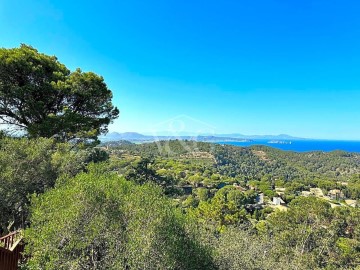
[98, 220]
[32, 166]
[39, 95]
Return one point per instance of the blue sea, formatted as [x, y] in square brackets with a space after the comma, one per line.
[305, 145]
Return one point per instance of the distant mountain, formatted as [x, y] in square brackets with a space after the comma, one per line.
[127, 136]
[262, 137]
[137, 137]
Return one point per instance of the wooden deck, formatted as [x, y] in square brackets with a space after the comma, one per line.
[11, 247]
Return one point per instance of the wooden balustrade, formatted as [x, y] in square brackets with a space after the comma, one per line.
[11, 247]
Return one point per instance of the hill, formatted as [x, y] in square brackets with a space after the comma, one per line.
[257, 161]
[137, 137]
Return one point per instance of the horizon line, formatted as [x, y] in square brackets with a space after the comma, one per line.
[189, 133]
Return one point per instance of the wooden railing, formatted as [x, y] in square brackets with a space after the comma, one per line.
[8, 241]
[11, 247]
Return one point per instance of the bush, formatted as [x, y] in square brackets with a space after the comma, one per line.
[28, 167]
[98, 220]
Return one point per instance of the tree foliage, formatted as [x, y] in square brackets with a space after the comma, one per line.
[316, 234]
[227, 207]
[40, 95]
[239, 248]
[100, 221]
[31, 166]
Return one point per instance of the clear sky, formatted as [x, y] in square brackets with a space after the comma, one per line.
[251, 67]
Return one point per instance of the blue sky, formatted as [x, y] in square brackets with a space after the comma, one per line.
[252, 67]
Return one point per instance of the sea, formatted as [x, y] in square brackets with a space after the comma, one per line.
[303, 145]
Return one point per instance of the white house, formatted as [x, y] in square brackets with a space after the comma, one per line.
[278, 201]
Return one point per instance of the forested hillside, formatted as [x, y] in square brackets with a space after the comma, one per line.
[256, 161]
[163, 205]
[231, 164]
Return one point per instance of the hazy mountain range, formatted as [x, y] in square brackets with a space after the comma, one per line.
[134, 136]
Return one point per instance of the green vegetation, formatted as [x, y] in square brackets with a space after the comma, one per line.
[100, 221]
[41, 96]
[162, 205]
[311, 231]
[138, 209]
[219, 187]
[32, 166]
[258, 166]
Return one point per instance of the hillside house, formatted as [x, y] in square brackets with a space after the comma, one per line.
[336, 194]
[351, 203]
[280, 191]
[237, 186]
[317, 192]
[278, 201]
[260, 198]
[306, 193]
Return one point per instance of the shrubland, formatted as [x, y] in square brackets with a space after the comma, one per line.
[162, 205]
